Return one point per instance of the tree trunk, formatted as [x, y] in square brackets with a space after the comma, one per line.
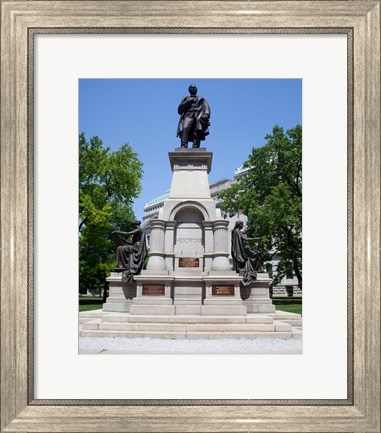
[81, 223]
[105, 292]
[297, 272]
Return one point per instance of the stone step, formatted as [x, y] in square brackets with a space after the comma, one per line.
[143, 327]
[131, 334]
[84, 316]
[293, 319]
[176, 327]
[297, 333]
[97, 324]
[123, 318]
[247, 327]
[187, 335]
[91, 324]
[258, 318]
[294, 322]
[191, 326]
[239, 335]
[282, 326]
[284, 315]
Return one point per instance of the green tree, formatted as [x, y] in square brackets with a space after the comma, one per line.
[270, 194]
[108, 183]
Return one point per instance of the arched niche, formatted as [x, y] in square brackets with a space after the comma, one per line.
[189, 214]
[189, 232]
[188, 205]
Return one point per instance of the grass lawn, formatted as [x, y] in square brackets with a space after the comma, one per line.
[90, 307]
[292, 308]
[291, 305]
[88, 303]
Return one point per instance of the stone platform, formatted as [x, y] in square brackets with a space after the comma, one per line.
[278, 325]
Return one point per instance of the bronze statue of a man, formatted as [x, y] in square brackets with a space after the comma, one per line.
[130, 255]
[194, 118]
[245, 260]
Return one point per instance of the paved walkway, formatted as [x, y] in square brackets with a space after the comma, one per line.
[121, 345]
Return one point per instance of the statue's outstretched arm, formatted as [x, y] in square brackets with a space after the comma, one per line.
[120, 233]
[133, 232]
[251, 239]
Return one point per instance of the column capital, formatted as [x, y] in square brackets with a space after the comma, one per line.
[171, 224]
[208, 225]
[220, 224]
[157, 224]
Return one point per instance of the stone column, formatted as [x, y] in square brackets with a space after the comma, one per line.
[168, 245]
[221, 248]
[156, 255]
[209, 245]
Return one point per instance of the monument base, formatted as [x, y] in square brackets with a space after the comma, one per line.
[188, 295]
[120, 294]
[188, 306]
[153, 295]
[222, 295]
[259, 300]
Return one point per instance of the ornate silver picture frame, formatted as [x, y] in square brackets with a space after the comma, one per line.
[20, 22]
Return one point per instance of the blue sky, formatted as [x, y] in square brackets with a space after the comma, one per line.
[143, 113]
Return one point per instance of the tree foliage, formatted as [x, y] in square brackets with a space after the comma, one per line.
[270, 194]
[108, 183]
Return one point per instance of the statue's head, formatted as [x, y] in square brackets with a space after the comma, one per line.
[192, 90]
[238, 224]
[136, 223]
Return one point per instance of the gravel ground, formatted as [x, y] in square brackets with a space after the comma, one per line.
[113, 345]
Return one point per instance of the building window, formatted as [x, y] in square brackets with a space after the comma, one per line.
[289, 275]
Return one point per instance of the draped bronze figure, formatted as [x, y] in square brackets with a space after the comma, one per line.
[130, 255]
[245, 260]
[194, 118]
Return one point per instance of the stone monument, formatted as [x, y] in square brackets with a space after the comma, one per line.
[189, 289]
[188, 270]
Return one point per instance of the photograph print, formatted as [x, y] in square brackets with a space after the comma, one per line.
[190, 216]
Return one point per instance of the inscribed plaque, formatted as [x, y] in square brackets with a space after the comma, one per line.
[223, 290]
[189, 262]
[153, 289]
